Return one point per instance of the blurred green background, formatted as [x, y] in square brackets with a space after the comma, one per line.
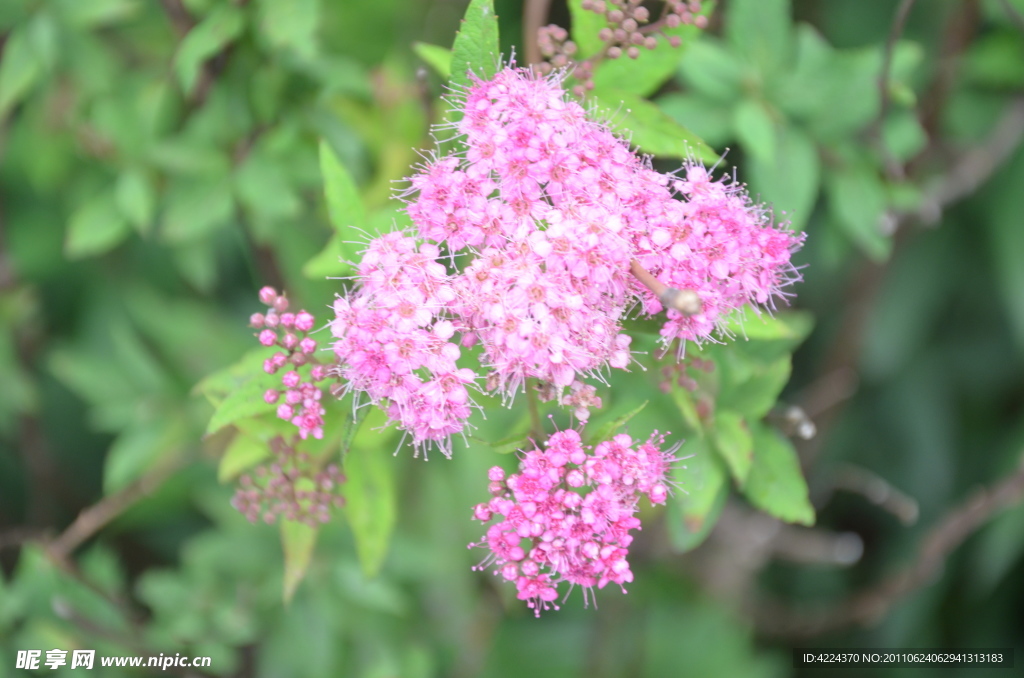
[159, 165]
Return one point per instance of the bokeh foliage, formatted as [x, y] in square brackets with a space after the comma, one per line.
[163, 160]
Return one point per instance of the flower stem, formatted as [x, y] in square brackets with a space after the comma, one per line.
[686, 302]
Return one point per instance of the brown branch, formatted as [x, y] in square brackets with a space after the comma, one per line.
[94, 518]
[872, 603]
[878, 491]
[535, 14]
[892, 166]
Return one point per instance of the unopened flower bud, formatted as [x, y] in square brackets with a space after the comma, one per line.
[268, 295]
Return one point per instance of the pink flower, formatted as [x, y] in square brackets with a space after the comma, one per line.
[579, 538]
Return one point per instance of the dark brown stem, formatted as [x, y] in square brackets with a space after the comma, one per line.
[872, 603]
[94, 518]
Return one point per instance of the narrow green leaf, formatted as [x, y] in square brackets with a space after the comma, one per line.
[370, 493]
[243, 453]
[476, 48]
[775, 484]
[437, 57]
[755, 129]
[136, 198]
[19, 68]
[298, 541]
[212, 34]
[344, 204]
[95, 228]
[704, 487]
[649, 128]
[734, 443]
[608, 430]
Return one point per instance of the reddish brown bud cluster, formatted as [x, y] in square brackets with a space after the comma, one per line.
[290, 487]
[629, 29]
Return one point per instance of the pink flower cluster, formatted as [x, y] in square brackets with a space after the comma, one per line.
[541, 216]
[567, 514]
[392, 344]
[289, 331]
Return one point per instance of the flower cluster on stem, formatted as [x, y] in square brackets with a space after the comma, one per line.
[300, 397]
[533, 242]
[566, 516]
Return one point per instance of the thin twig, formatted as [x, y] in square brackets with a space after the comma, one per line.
[893, 168]
[92, 519]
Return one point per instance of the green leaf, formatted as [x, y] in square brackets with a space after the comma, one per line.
[96, 13]
[236, 392]
[734, 443]
[243, 453]
[714, 71]
[790, 183]
[195, 208]
[903, 134]
[608, 430]
[96, 227]
[19, 68]
[834, 92]
[370, 493]
[755, 130]
[291, 25]
[211, 35]
[437, 57]
[759, 390]
[585, 27]
[708, 119]
[760, 30]
[704, 489]
[790, 326]
[136, 198]
[344, 204]
[775, 483]
[649, 128]
[476, 48]
[261, 185]
[139, 449]
[856, 199]
[687, 407]
[298, 541]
